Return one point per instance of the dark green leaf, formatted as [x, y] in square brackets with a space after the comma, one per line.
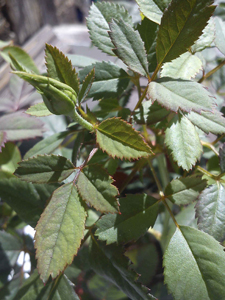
[38, 110]
[100, 15]
[119, 139]
[122, 228]
[198, 261]
[59, 231]
[210, 211]
[222, 158]
[181, 25]
[45, 169]
[184, 190]
[129, 46]
[86, 86]
[95, 187]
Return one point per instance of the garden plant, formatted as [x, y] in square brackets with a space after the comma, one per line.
[128, 199]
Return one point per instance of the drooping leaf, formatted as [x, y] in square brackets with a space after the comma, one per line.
[185, 190]
[59, 231]
[129, 46]
[183, 140]
[220, 35]
[119, 139]
[45, 169]
[60, 68]
[110, 80]
[151, 9]
[185, 67]
[19, 195]
[38, 110]
[122, 228]
[222, 158]
[95, 187]
[9, 157]
[212, 121]
[47, 145]
[100, 15]
[210, 211]
[198, 261]
[19, 126]
[86, 86]
[117, 270]
[180, 94]
[181, 25]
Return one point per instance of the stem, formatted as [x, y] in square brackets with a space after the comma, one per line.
[81, 121]
[155, 72]
[170, 212]
[218, 139]
[156, 178]
[203, 171]
[212, 71]
[210, 146]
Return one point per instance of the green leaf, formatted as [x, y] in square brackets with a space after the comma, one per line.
[21, 57]
[220, 35]
[86, 86]
[183, 140]
[122, 228]
[110, 80]
[222, 158]
[2, 139]
[47, 145]
[38, 110]
[60, 68]
[81, 61]
[129, 46]
[180, 94]
[10, 248]
[198, 261]
[19, 195]
[151, 9]
[212, 121]
[59, 231]
[95, 187]
[117, 270]
[9, 157]
[185, 67]
[100, 15]
[184, 190]
[181, 25]
[119, 139]
[45, 169]
[210, 211]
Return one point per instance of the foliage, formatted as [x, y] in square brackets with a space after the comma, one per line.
[114, 192]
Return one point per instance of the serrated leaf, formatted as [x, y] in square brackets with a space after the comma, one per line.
[100, 15]
[210, 211]
[59, 231]
[47, 145]
[119, 139]
[9, 157]
[219, 35]
[198, 261]
[117, 270]
[181, 25]
[60, 68]
[122, 228]
[222, 158]
[151, 9]
[86, 86]
[185, 67]
[19, 195]
[95, 187]
[184, 190]
[110, 80]
[45, 169]
[38, 110]
[129, 46]
[208, 121]
[18, 126]
[183, 140]
[180, 94]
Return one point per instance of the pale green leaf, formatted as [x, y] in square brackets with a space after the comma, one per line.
[122, 228]
[129, 46]
[210, 211]
[60, 68]
[45, 169]
[183, 140]
[184, 190]
[222, 158]
[185, 67]
[9, 157]
[151, 9]
[220, 35]
[38, 110]
[86, 86]
[194, 266]
[119, 139]
[59, 231]
[81, 61]
[100, 15]
[180, 94]
[181, 25]
[95, 187]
